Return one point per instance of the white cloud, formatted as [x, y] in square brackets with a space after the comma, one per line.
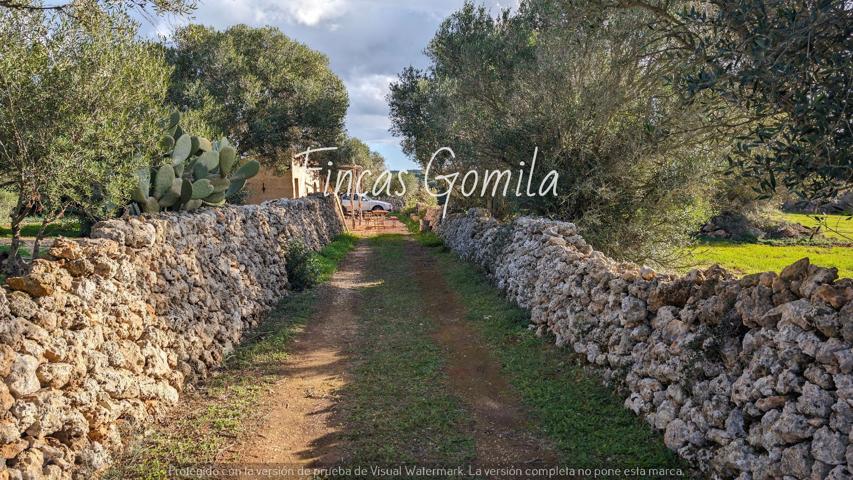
[312, 12]
[367, 92]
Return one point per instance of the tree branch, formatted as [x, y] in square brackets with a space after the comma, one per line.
[12, 4]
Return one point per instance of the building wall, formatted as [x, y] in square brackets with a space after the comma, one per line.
[266, 185]
[297, 182]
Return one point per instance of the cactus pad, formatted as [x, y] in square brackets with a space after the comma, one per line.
[183, 148]
[151, 205]
[235, 186]
[247, 170]
[215, 199]
[204, 144]
[172, 195]
[192, 205]
[174, 120]
[202, 188]
[186, 191]
[163, 180]
[227, 160]
[210, 160]
[142, 185]
[167, 143]
[220, 184]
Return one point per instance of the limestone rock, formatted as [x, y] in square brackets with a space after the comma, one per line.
[829, 447]
[796, 271]
[31, 285]
[13, 449]
[6, 398]
[797, 460]
[22, 379]
[815, 401]
[55, 375]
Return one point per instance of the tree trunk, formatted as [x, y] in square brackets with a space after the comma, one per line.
[14, 264]
[39, 236]
[46, 220]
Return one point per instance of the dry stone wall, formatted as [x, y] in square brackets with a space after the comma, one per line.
[748, 378]
[102, 338]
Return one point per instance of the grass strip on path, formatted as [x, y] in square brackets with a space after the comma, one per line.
[397, 408]
[212, 418]
[427, 238]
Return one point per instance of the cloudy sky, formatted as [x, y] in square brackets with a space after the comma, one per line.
[367, 41]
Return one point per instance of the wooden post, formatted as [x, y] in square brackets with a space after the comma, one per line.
[352, 209]
[360, 209]
[353, 169]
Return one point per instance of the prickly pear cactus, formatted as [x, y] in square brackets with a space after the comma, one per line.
[192, 172]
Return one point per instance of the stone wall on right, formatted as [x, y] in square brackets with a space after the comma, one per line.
[747, 378]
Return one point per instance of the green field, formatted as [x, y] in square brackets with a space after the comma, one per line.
[840, 226]
[745, 258]
[66, 227]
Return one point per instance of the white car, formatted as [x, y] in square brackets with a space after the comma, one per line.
[367, 203]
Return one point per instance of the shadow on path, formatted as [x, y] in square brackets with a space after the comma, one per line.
[298, 426]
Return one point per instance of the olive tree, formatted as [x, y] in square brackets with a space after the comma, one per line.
[82, 9]
[786, 64]
[79, 111]
[555, 76]
[272, 96]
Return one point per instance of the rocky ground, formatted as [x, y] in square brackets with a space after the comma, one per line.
[736, 226]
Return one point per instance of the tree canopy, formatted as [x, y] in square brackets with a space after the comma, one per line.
[88, 10]
[788, 65]
[79, 111]
[640, 106]
[633, 161]
[271, 95]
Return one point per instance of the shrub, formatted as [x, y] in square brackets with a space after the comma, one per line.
[303, 266]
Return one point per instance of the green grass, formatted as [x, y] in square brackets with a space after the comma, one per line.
[228, 399]
[24, 251]
[840, 226]
[332, 254]
[830, 250]
[746, 258]
[429, 238]
[397, 408]
[586, 421]
[67, 227]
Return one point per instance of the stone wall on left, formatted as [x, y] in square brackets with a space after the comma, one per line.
[102, 336]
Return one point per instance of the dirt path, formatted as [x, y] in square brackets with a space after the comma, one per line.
[298, 426]
[501, 427]
[300, 420]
